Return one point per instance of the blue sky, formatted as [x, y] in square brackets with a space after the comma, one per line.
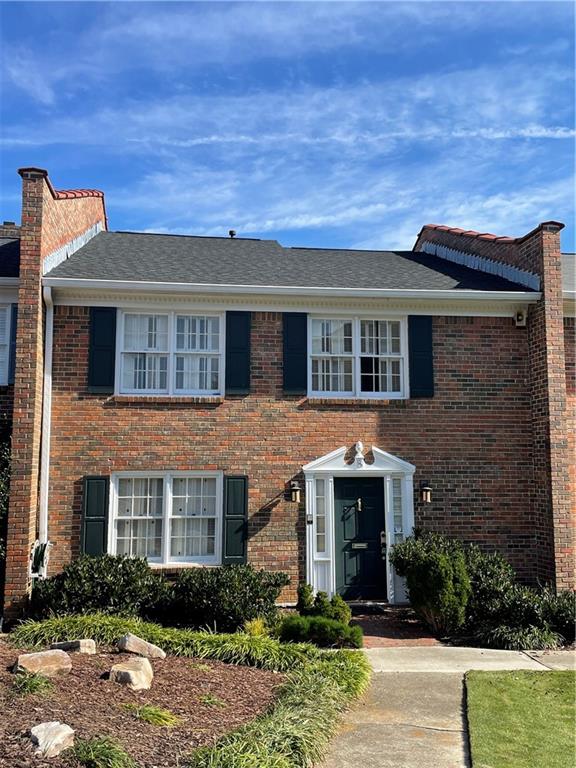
[328, 124]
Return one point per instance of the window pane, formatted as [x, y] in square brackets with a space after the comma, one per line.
[146, 332]
[380, 375]
[333, 337]
[332, 374]
[197, 373]
[320, 516]
[197, 333]
[139, 538]
[192, 537]
[145, 372]
[397, 504]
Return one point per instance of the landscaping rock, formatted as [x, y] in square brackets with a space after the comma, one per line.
[137, 674]
[135, 644]
[47, 663]
[81, 646]
[52, 738]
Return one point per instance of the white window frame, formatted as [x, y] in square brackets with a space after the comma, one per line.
[167, 477]
[357, 393]
[171, 353]
[4, 370]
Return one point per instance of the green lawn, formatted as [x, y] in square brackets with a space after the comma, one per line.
[522, 719]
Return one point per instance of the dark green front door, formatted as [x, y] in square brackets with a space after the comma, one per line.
[359, 528]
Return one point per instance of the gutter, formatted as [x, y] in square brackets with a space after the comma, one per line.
[46, 424]
[529, 297]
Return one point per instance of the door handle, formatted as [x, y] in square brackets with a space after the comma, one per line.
[383, 544]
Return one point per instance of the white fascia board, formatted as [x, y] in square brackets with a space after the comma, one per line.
[275, 290]
[15, 281]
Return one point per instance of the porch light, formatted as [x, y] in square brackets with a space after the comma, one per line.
[425, 492]
[293, 492]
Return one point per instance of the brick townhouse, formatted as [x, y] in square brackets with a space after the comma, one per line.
[206, 400]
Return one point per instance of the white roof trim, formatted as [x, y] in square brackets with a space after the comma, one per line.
[291, 290]
[52, 260]
[482, 264]
[334, 462]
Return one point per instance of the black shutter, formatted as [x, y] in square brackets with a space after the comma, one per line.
[238, 352]
[420, 356]
[94, 535]
[12, 350]
[295, 353]
[235, 524]
[102, 353]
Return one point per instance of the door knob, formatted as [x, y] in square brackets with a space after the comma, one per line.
[359, 504]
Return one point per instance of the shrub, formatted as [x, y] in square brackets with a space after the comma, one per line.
[29, 682]
[321, 605]
[491, 576]
[110, 584]
[150, 713]
[305, 600]
[101, 753]
[256, 627]
[560, 612]
[437, 579]
[320, 631]
[517, 638]
[224, 598]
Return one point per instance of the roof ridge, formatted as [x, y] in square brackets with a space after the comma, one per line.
[179, 234]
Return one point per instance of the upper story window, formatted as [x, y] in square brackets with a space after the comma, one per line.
[4, 343]
[174, 353]
[357, 357]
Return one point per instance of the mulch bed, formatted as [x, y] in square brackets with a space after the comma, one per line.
[90, 704]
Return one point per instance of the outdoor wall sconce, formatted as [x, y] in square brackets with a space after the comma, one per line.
[292, 492]
[425, 493]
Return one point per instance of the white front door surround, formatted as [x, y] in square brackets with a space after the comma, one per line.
[397, 476]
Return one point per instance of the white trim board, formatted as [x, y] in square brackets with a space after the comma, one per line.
[482, 264]
[321, 567]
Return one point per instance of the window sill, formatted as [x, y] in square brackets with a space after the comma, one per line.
[181, 566]
[363, 402]
[168, 399]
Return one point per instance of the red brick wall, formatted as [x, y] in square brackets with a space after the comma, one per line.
[539, 253]
[47, 223]
[472, 440]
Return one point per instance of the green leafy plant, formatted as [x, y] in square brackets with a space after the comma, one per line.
[200, 667]
[256, 627]
[437, 579]
[101, 753]
[320, 631]
[212, 701]
[224, 598]
[518, 638]
[29, 682]
[560, 612]
[150, 713]
[320, 604]
[110, 584]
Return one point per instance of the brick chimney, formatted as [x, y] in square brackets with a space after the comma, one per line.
[51, 220]
[10, 229]
[535, 260]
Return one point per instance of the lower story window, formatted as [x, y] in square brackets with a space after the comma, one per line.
[168, 518]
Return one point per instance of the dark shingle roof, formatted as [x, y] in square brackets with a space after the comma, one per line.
[9, 257]
[223, 261]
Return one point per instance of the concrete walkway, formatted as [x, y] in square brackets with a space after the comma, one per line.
[414, 713]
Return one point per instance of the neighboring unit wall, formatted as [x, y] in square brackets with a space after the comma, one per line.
[570, 357]
[49, 220]
[538, 253]
[472, 440]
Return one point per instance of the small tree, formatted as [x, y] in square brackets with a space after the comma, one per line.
[437, 580]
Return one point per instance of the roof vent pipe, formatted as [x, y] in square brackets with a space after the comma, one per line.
[232, 233]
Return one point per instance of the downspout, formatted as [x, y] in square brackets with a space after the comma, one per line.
[46, 423]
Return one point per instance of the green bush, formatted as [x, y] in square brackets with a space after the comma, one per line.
[491, 576]
[560, 612]
[321, 605]
[437, 580]
[518, 638]
[326, 633]
[125, 586]
[224, 598]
